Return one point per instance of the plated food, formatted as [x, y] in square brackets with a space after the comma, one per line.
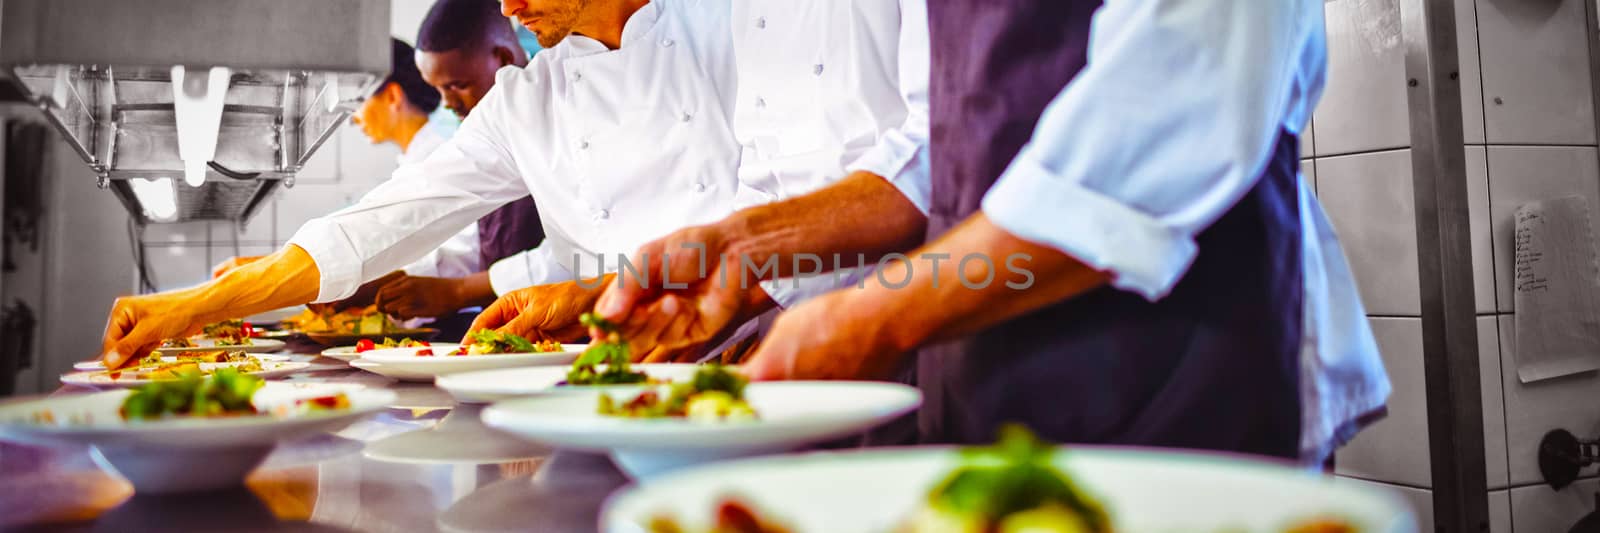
[211, 356]
[363, 321]
[1019, 484]
[196, 433]
[156, 367]
[608, 359]
[487, 386]
[488, 350]
[791, 414]
[714, 393]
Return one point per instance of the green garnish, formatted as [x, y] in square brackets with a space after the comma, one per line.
[490, 341]
[1013, 476]
[225, 392]
[713, 385]
[610, 351]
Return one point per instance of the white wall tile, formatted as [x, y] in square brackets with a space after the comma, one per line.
[1521, 174]
[305, 202]
[1308, 140]
[90, 262]
[179, 233]
[1308, 168]
[177, 267]
[1369, 200]
[1539, 508]
[1396, 448]
[1533, 409]
[1471, 80]
[1364, 104]
[259, 229]
[1420, 500]
[1500, 511]
[1494, 403]
[405, 17]
[1536, 63]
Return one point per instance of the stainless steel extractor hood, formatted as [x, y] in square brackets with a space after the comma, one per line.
[194, 110]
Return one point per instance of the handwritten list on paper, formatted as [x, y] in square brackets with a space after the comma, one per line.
[1557, 290]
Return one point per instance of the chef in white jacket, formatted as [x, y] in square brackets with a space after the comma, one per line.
[620, 129]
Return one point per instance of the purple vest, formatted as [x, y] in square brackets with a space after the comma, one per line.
[1214, 365]
[506, 231]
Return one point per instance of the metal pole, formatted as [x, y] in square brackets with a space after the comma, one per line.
[1444, 250]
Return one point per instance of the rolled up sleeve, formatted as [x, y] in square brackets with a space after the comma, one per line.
[1164, 130]
[537, 266]
[901, 154]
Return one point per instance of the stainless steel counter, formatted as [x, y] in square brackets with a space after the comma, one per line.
[426, 464]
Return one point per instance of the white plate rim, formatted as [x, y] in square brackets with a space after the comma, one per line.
[80, 378]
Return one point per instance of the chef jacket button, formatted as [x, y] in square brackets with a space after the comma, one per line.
[699, 187]
[602, 214]
[577, 76]
[686, 116]
[583, 145]
[666, 42]
[761, 102]
[761, 22]
[817, 70]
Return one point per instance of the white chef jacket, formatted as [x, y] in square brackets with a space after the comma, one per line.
[822, 91]
[618, 147]
[458, 256]
[1123, 177]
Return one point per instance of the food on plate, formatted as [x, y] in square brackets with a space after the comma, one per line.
[366, 345]
[715, 393]
[1323, 525]
[733, 516]
[487, 342]
[354, 321]
[227, 392]
[610, 351]
[177, 343]
[229, 332]
[155, 367]
[1012, 485]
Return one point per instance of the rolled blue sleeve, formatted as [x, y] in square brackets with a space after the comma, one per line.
[1164, 130]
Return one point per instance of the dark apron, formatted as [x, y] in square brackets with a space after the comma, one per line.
[509, 230]
[1213, 365]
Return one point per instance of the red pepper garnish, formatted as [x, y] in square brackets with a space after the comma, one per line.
[115, 375]
[325, 401]
[365, 345]
[423, 343]
[459, 351]
[249, 331]
[425, 351]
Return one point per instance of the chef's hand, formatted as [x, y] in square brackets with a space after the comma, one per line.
[138, 324]
[542, 311]
[364, 296]
[232, 263]
[820, 339]
[709, 295]
[417, 296]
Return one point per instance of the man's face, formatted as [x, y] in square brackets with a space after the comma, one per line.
[549, 20]
[462, 76]
[376, 116]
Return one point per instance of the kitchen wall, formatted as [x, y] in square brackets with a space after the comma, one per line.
[1530, 135]
[83, 263]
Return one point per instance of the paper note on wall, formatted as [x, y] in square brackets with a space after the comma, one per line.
[1557, 290]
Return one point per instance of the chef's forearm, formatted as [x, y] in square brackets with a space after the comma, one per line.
[475, 290]
[860, 214]
[995, 290]
[286, 278]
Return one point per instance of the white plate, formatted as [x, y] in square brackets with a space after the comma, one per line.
[390, 372]
[459, 438]
[502, 384]
[405, 360]
[181, 454]
[1143, 490]
[342, 353]
[257, 345]
[790, 414]
[102, 378]
[91, 366]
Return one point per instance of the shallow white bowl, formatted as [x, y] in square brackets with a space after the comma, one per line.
[91, 366]
[790, 415]
[1144, 490]
[181, 454]
[494, 385]
[257, 345]
[102, 379]
[397, 362]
